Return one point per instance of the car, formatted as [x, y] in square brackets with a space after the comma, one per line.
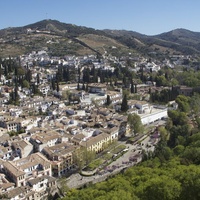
[125, 150]
[114, 156]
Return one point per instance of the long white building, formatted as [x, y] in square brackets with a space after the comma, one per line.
[156, 114]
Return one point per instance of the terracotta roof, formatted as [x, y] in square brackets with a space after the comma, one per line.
[5, 186]
[3, 150]
[20, 144]
[17, 167]
[60, 149]
[10, 166]
[19, 190]
[37, 180]
[28, 164]
[4, 137]
[78, 137]
[46, 136]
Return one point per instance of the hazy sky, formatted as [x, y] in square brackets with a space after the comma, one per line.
[149, 17]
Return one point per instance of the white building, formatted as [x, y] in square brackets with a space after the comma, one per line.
[153, 116]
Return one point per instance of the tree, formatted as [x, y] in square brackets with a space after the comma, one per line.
[164, 134]
[108, 100]
[35, 89]
[161, 188]
[63, 186]
[5, 71]
[28, 75]
[25, 84]
[57, 86]
[132, 88]
[16, 71]
[86, 75]
[65, 95]
[53, 84]
[161, 81]
[0, 74]
[82, 157]
[124, 105]
[177, 117]
[10, 64]
[78, 86]
[195, 104]
[179, 149]
[189, 177]
[135, 123]
[59, 74]
[86, 88]
[38, 78]
[66, 74]
[21, 71]
[183, 103]
[135, 88]
[83, 87]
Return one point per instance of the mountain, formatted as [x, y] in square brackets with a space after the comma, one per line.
[61, 39]
[175, 41]
[179, 35]
[182, 38]
[58, 38]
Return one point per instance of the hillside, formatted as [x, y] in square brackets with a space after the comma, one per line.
[175, 41]
[61, 39]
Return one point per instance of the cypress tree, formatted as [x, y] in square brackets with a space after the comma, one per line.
[5, 71]
[83, 87]
[67, 75]
[86, 89]
[59, 73]
[57, 87]
[132, 88]
[38, 79]
[108, 100]
[124, 105]
[135, 88]
[28, 75]
[86, 75]
[53, 84]
[78, 86]
[150, 90]
[9, 65]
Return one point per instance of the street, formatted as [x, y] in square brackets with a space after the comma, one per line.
[131, 157]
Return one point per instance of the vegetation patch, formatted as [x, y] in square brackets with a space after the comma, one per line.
[118, 149]
[94, 164]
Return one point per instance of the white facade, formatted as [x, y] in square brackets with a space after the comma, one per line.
[44, 89]
[154, 116]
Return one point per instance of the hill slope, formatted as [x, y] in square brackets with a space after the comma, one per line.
[61, 39]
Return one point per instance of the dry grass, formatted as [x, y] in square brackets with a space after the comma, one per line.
[98, 41]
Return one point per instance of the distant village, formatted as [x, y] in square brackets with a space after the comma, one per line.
[41, 134]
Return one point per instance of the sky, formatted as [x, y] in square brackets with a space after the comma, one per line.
[148, 17]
